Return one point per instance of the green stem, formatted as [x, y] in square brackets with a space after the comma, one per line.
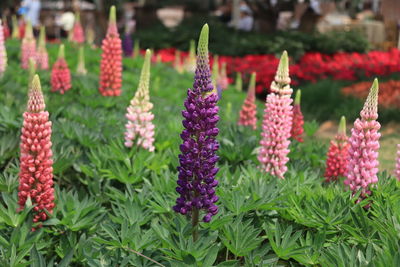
[195, 224]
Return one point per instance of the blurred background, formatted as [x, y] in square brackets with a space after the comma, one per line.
[239, 27]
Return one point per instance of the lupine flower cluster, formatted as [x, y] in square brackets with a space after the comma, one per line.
[60, 74]
[80, 68]
[6, 29]
[389, 92]
[111, 60]
[215, 76]
[42, 58]
[15, 32]
[78, 35]
[338, 154]
[28, 47]
[277, 123]
[247, 115]
[298, 119]
[239, 82]
[178, 62]
[223, 77]
[127, 45]
[197, 170]
[362, 167]
[36, 171]
[397, 170]
[190, 63]
[140, 128]
[3, 51]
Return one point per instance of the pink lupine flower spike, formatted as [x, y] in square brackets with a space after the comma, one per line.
[277, 123]
[363, 163]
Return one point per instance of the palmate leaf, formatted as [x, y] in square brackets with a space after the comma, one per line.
[284, 244]
[363, 231]
[315, 209]
[342, 255]
[78, 214]
[177, 242]
[240, 237]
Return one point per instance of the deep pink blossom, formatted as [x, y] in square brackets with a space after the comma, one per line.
[36, 171]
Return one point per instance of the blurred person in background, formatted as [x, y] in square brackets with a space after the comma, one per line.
[31, 11]
[66, 22]
[246, 19]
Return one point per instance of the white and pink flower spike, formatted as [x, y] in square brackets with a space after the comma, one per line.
[397, 170]
[140, 127]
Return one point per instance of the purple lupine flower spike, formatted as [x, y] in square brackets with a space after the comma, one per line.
[197, 170]
[127, 45]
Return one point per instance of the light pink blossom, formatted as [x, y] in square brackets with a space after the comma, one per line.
[363, 162]
[277, 123]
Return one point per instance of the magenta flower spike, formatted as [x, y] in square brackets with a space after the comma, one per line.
[363, 162]
[140, 128]
[397, 170]
[28, 47]
[277, 123]
[3, 51]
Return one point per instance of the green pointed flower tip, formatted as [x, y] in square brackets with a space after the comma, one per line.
[282, 74]
[32, 68]
[342, 126]
[28, 30]
[35, 96]
[372, 99]
[202, 46]
[81, 54]
[145, 73]
[77, 17]
[36, 86]
[147, 60]
[192, 48]
[252, 84]
[42, 37]
[239, 83]
[61, 52]
[113, 16]
[298, 97]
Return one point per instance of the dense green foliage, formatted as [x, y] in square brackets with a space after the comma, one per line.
[226, 41]
[112, 201]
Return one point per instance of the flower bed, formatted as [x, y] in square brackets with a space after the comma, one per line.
[389, 92]
[310, 67]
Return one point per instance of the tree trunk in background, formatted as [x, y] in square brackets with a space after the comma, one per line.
[101, 21]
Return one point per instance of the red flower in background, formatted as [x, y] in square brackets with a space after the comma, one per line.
[60, 74]
[336, 163]
[312, 66]
[111, 60]
[298, 119]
